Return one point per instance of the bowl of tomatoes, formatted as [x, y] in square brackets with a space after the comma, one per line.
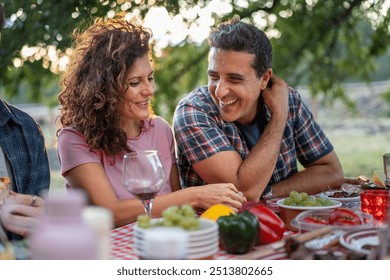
[341, 218]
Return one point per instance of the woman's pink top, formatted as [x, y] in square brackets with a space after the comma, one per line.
[74, 151]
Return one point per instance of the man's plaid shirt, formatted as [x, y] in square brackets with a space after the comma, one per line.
[201, 133]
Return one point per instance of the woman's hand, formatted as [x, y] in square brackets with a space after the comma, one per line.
[224, 193]
[20, 212]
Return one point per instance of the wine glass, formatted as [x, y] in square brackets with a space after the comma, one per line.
[143, 175]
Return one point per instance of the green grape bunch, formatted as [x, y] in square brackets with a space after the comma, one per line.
[304, 200]
[173, 216]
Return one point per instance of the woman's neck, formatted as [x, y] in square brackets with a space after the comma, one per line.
[132, 128]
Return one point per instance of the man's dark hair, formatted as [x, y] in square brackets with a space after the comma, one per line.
[1, 17]
[238, 36]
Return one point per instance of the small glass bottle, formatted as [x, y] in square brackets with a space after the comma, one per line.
[61, 234]
[101, 221]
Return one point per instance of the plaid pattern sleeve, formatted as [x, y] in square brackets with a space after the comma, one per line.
[24, 145]
[303, 140]
[312, 143]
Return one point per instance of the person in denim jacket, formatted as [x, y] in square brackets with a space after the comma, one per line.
[23, 158]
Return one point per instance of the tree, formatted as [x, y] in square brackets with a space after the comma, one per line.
[320, 43]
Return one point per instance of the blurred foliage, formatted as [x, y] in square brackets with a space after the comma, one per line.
[318, 43]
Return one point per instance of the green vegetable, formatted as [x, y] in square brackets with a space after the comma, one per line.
[173, 216]
[238, 232]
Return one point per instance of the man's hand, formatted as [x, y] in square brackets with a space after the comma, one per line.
[19, 215]
[276, 97]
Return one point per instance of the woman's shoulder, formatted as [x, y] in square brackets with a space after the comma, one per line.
[159, 121]
[158, 125]
[70, 133]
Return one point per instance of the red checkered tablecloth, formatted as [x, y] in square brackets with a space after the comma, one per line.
[122, 245]
[121, 241]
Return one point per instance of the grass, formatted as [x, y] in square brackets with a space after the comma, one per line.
[360, 155]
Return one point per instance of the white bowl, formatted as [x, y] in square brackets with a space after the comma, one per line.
[348, 202]
[335, 204]
[287, 212]
[206, 229]
[192, 243]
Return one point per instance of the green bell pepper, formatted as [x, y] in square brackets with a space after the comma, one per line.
[238, 232]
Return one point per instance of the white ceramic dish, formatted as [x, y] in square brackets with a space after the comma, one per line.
[205, 253]
[191, 250]
[287, 213]
[336, 204]
[205, 227]
[203, 242]
[360, 241]
[348, 202]
[200, 238]
[212, 239]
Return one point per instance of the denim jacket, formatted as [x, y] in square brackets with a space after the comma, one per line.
[23, 144]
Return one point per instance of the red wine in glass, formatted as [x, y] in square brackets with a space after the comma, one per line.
[143, 176]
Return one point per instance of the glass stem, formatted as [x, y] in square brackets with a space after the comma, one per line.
[148, 204]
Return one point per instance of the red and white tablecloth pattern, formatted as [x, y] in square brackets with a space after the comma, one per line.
[122, 245]
[122, 241]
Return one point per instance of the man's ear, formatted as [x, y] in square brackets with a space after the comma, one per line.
[265, 78]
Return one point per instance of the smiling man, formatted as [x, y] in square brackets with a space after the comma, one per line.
[247, 127]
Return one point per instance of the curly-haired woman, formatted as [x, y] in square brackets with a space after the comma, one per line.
[106, 112]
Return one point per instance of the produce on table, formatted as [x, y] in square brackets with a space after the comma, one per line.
[344, 217]
[238, 232]
[271, 226]
[338, 217]
[216, 211]
[173, 216]
[343, 194]
[316, 220]
[303, 199]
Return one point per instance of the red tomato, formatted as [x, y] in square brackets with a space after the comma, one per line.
[344, 216]
[271, 225]
[316, 220]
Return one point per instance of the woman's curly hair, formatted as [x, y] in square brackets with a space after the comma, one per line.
[93, 87]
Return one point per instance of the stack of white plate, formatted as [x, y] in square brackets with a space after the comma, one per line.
[201, 243]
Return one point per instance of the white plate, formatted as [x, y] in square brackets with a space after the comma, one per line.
[211, 239]
[200, 254]
[190, 251]
[357, 240]
[207, 229]
[336, 204]
[193, 239]
[140, 234]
